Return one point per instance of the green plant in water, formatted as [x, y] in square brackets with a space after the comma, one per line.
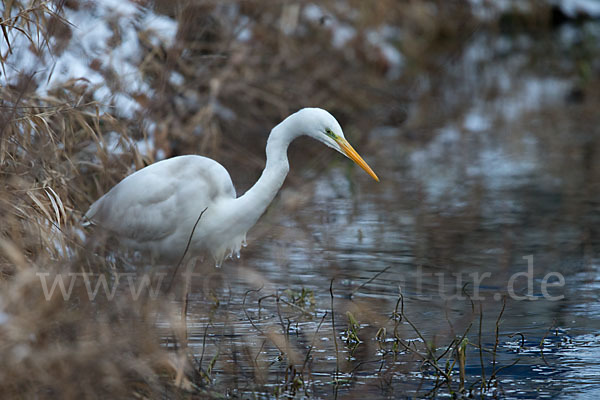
[352, 339]
[304, 300]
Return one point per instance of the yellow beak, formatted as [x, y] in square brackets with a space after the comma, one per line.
[353, 155]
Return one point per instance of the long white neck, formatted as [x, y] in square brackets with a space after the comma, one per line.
[256, 200]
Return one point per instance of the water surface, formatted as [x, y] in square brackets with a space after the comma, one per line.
[494, 173]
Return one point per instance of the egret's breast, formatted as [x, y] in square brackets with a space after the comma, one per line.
[222, 230]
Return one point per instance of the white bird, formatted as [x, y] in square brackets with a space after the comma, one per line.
[187, 205]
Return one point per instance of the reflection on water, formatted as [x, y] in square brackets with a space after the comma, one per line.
[506, 170]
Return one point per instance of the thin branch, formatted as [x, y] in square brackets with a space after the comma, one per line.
[187, 247]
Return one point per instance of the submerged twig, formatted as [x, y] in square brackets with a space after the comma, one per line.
[370, 280]
[481, 348]
[312, 343]
[542, 343]
[496, 342]
[337, 356]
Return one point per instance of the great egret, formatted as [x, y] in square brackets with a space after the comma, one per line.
[156, 209]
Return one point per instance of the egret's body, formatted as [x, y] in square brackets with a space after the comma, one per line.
[155, 209]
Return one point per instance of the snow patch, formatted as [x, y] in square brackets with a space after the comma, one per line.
[104, 40]
[476, 121]
[574, 8]
[4, 318]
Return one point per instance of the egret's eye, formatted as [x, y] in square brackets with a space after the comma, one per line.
[330, 133]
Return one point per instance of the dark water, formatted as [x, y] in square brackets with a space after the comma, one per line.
[495, 172]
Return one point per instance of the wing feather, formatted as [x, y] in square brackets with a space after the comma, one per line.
[156, 201]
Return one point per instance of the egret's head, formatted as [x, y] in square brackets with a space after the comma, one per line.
[321, 125]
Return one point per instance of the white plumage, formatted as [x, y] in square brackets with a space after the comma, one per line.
[154, 210]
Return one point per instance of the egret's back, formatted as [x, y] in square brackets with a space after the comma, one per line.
[155, 208]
